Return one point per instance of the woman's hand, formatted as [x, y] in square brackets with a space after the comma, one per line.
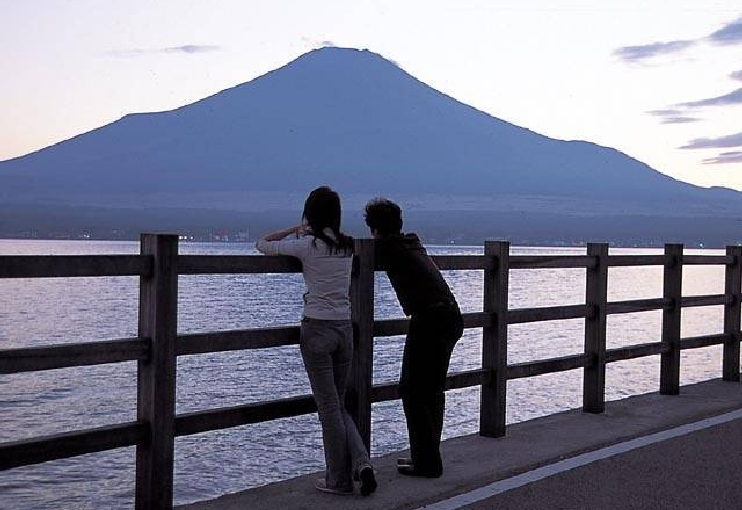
[297, 230]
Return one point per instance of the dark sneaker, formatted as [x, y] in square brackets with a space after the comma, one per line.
[368, 480]
[321, 486]
[411, 470]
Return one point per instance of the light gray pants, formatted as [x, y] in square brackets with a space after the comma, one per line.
[327, 350]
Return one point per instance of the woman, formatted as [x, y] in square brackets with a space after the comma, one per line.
[327, 334]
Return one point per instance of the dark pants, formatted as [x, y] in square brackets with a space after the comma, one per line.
[432, 336]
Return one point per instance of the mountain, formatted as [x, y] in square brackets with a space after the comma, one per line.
[356, 121]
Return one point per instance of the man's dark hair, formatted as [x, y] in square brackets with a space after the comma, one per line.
[384, 216]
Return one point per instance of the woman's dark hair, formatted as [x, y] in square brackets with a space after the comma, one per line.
[384, 216]
[322, 211]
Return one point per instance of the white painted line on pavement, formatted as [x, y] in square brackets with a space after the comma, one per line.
[580, 460]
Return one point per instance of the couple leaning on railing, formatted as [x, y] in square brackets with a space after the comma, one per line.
[326, 338]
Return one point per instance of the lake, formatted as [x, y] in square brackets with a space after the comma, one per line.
[36, 312]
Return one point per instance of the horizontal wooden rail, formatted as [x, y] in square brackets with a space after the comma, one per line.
[697, 342]
[707, 260]
[709, 300]
[547, 313]
[236, 264]
[635, 260]
[50, 357]
[233, 340]
[551, 261]
[70, 444]
[635, 351]
[385, 392]
[460, 262]
[547, 366]
[637, 305]
[215, 419]
[468, 378]
[70, 266]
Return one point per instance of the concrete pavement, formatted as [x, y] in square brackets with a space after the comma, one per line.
[473, 462]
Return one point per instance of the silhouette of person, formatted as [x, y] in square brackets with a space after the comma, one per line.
[326, 339]
[435, 327]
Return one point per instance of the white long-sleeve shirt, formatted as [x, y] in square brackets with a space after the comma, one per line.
[326, 275]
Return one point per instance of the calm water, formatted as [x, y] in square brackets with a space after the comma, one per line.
[36, 312]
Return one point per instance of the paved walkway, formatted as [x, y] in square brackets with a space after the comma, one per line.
[693, 471]
[700, 469]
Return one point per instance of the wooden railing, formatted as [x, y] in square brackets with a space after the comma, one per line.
[158, 345]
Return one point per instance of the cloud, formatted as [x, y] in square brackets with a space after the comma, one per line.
[665, 113]
[317, 43]
[728, 34]
[192, 48]
[734, 140]
[679, 120]
[736, 75]
[189, 49]
[734, 97]
[725, 157]
[673, 116]
[637, 53]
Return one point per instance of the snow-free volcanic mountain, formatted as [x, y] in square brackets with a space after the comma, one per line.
[344, 117]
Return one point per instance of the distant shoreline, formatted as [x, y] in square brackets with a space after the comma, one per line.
[433, 243]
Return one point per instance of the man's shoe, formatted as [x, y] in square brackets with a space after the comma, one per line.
[411, 470]
[368, 480]
[404, 461]
[321, 486]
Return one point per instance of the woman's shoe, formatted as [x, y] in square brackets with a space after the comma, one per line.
[368, 480]
[321, 486]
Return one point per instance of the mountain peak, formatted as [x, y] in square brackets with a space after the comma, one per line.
[339, 53]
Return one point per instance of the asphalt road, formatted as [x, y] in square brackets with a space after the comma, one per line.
[699, 471]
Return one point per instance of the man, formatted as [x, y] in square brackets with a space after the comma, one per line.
[435, 327]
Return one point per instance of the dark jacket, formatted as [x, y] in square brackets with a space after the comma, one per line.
[415, 277]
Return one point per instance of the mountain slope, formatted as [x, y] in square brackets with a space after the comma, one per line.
[344, 117]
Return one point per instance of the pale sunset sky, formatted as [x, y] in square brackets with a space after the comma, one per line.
[659, 80]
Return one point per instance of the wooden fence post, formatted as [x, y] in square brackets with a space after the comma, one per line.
[732, 276]
[596, 298]
[158, 314]
[495, 339]
[673, 290]
[362, 311]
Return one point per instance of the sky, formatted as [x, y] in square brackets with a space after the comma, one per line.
[659, 80]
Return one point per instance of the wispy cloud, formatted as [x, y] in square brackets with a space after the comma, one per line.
[666, 112]
[643, 52]
[725, 157]
[673, 116]
[734, 97]
[721, 142]
[189, 49]
[730, 33]
[317, 43]
[736, 75]
[679, 120]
